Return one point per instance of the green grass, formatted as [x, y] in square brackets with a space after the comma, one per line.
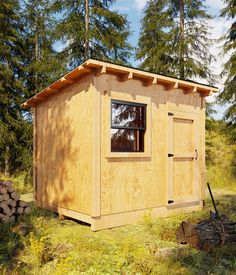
[220, 157]
[67, 247]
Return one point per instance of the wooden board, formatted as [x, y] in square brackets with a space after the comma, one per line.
[183, 181]
[132, 181]
[64, 146]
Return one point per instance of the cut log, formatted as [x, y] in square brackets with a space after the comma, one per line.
[2, 216]
[3, 190]
[207, 234]
[3, 204]
[27, 210]
[20, 210]
[5, 219]
[6, 197]
[12, 202]
[15, 196]
[7, 210]
[7, 182]
[22, 203]
[10, 189]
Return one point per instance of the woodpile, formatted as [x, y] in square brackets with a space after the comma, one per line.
[11, 207]
[207, 234]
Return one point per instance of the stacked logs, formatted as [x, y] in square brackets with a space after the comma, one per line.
[207, 234]
[10, 204]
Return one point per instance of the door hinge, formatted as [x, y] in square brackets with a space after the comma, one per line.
[170, 114]
[170, 155]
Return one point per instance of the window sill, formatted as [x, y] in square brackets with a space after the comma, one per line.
[128, 155]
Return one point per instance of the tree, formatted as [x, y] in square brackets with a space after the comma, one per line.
[41, 60]
[182, 46]
[15, 130]
[92, 30]
[11, 72]
[154, 46]
[228, 95]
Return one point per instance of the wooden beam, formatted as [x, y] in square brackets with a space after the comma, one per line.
[176, 85]
[154, 81]
[125, 77]
[51, 90]
[38, 98]
[101, 70]
[67, 80]
[85, 68]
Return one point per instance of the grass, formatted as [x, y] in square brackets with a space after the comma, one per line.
[67, 247]
[220, 157]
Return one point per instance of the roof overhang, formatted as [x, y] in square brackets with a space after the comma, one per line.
[123, 74]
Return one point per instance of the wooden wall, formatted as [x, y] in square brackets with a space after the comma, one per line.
[136, 181]
[74, 167]
[64, 147]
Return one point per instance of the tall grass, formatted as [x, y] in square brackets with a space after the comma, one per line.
[220, 157]
[66, 247]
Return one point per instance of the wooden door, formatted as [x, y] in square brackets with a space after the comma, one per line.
[182, 157]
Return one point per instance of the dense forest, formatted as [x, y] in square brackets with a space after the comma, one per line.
[41, 40]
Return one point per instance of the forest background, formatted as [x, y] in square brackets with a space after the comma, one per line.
[42, 40]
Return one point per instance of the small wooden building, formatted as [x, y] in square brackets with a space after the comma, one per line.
[111, 142]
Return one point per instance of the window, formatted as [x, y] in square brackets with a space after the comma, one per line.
[128, 125]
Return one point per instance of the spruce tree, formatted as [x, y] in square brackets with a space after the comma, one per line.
[183, 48]
[228, 95]
[154, 47]
[11, 79]
[42, 62]
[105, 36]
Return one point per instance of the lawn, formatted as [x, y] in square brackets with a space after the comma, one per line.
[148, 247]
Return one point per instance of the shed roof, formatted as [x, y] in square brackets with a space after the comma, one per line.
[123, 73]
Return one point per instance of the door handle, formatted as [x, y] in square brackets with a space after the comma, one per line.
[196, 154]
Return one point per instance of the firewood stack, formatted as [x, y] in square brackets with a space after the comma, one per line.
[10, 204]
[207, 234]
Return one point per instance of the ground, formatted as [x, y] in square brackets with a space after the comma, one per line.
[148, 247]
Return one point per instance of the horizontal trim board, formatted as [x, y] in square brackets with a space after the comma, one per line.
[125, 218]
[66, 212]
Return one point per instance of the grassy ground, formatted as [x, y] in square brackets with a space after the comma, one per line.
[67, 247]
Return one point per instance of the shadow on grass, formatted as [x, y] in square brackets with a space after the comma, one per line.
[13, 237]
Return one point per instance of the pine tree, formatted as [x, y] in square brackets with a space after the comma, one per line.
[228, 95]
[11, 71]
[104, 38]
[41, 60]
[154, 47]
[182, 48]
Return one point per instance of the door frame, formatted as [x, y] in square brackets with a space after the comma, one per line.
[176, 112]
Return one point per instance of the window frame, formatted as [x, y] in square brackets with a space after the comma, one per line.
[143, 129]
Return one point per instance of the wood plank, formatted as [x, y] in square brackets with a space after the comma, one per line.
[96, 177]
[65, 151]
[120, 219]
[34, 113]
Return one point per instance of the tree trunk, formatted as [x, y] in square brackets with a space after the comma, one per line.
[86, 50]
[181, 42]
[7, 161]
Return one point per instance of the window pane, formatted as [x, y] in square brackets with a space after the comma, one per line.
[128, 115]
[123, 140]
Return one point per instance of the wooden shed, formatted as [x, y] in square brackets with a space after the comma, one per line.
[111, 142]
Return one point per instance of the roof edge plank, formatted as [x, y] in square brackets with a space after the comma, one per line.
[123, 73]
